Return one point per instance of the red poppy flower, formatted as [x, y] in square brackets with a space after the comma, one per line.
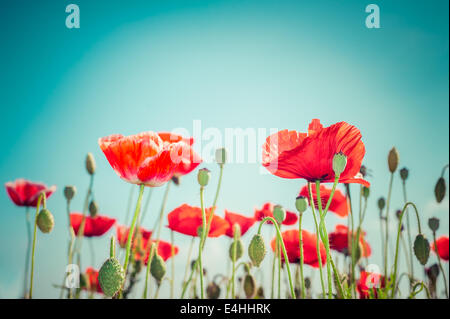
[92, 277]
[93, 226]
[339, 241]
[142, 158]
[369, 282]
[174, 138]
[442, 247]
[122, 234]
[291, 154]
[267, 211]
[187, 219]
[26, 193]
[291, 242]
[164, 250]
[243, 221]
[338, 204]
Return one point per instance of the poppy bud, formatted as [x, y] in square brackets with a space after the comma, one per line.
[93, 208]
[381, 203]
[279, 213]
[301, 203]
[422, 249]
[307, 283]
[176, 180]
[260, 292]
[393, 159]
[365, 192]
[69, 192]
[257, 250]
[433, 223]
[90, 163]
[398, 213]
[249, 286]
[439, 189]
[158, 268]
[213, 291]
[203, 176]
[432, 272]
[221, 156]
[111, 277]
[339, 163]
[239, 249]
[45, 221]
[404, 172]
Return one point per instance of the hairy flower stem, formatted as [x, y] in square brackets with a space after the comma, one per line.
[147, 272]
[286, 259]
[440, 264]
[410, 244]
[300, 242]
[386, 242]
[42, 199]
[202, 239]
[27, 256]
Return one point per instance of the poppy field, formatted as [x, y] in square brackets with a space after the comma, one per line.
[269, 243]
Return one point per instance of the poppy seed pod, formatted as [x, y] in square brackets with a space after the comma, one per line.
[422, 249]
[90, 163]
[239, 249]
[45, 221]
[260, 293]
[69, 192]
[249, 286]
[213, 291]
[221, 156]
[279, 213]
[301, 203]
[93, 208]
[404, 172]
[393, 159]
[433, 223]
[339, 163]
[203, 176]
[365, 192]
[381, 203]
[257, 250]
[111, 277]
[158, 268]
[432, 272]
[439, 189]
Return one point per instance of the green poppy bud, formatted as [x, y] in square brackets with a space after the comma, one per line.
[158, 268]
[90, 163]
[69, 192]
[257, 250]
[422, 249]
[279, 213]
[393, 159]
[213, 291]
[365, 192]
[381, 203]
[93, 208]
[439, 189]
[221, 156]
[339, 163]
[203, 176]
[45, 221]
[239, 249]
[111, 277]
[404, 172]
[433, 223]
[301, 203]
[249, 286]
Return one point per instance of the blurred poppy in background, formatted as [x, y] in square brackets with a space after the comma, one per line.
[25, 193]
[339, 241]
[244, 222]
[93, 226]
[267, 211]
[442, 247]
[338, 204]
[369, 283]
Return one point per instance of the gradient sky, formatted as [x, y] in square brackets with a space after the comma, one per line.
[158, 65]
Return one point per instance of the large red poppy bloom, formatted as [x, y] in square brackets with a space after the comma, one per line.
[26, 193]
[442, 247]
[369, 283]
[339, 241]
[338, 204]
[291, 154]
[267, 211]
[244, 222]
[291, 242]
[123, 231]
[143, 158]
[92, 277]
[93, 226]
[187, 219]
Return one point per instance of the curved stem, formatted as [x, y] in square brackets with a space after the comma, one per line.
[41, 198]
[440, 265]
[300, 242]
[408, 228]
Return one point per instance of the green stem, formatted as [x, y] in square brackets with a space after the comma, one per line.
[112, 247]
[172, 250]
[440, 264]
[408, 228]
[274, 262]
[300, 242]
[161, 212]
[233, 269]
[27, 256]
[278, 251]
[350, 241]
[83, 220]
[202, 239]
[188, 263]
[43, 199]
[147, 272]
[386, 243]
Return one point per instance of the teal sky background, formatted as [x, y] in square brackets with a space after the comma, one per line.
[158, 65]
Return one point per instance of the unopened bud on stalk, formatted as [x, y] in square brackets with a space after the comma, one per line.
[221, 156]
[279, 213]
[203, 176]
[111, 277]
[381, 203]
[432, 272]
[422, 249]
[239, 249]
[176, 180]
[90, 163]
[93, 208]
[45, 221]
[257, 250]
[69, 192]
[307, 283]
[433, 223]
[404, 172]
[158, 268]
[339, 163]
[365, 192]
[398, 213]
[213, 291]
[439, 189]
[393, 159]
[249, 286]
[260, 292]
[301, 203]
